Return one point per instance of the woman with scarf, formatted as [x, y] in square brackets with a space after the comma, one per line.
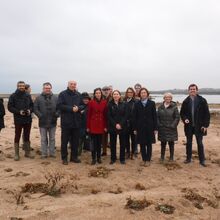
[145, 125]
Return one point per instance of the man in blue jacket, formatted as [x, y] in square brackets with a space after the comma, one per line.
[69, 104]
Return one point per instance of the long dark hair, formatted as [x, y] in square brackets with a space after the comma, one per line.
[126, 93]
[97, 89]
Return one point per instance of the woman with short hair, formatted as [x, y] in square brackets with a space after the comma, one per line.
[168, 119]
[145, 125]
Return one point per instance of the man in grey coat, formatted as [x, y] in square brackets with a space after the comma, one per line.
[46, 111]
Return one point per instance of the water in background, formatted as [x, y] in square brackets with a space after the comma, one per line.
[211, 99]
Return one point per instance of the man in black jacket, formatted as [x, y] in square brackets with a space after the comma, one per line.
[69, 104]
[21, 105]
[196, 118]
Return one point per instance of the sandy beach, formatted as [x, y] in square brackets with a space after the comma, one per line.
[45, 189]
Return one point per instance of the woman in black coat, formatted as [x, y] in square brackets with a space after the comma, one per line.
[168, 119]
[145, 124]
[130, 145]
[2, 113]
[117, 118]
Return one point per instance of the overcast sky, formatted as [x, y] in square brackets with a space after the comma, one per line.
[161, 44]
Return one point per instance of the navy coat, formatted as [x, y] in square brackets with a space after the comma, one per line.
[145, 122]
[67, 99]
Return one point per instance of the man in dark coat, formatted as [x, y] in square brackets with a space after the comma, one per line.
[145, 125]
[45, 107]
[2, 114]
[69, 104]
[196, 118]
[21, 105]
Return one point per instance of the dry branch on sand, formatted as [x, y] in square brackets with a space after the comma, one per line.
[167, 209]
[198, 200]
[99, 172]
[137, 204]
[172, 166]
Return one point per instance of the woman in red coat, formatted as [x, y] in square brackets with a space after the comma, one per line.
[97, 123]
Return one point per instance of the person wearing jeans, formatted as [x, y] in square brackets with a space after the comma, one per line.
[196, 118]
[47, 113]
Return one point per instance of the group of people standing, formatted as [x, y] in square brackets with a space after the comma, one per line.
[134, 119]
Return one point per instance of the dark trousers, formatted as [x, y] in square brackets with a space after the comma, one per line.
[200, 146]
[26, 130]
[104, 142]
[69, 135]
[163, 149]
[130, 146]
[113, 142]
[146, 151]
[96, 146]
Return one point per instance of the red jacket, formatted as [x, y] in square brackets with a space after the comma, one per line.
[97, 116]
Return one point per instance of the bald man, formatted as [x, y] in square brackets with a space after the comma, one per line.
[69, 104]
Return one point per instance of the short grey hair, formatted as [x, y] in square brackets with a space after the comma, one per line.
[168, 94]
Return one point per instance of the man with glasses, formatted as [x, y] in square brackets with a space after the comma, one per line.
[47, 113]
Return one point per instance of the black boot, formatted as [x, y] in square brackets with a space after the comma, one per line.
[171, 146]
[17, 157]
[163, 149]
[93, 158]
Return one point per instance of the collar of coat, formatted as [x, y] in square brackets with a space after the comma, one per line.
[172, 104]
[199, 98]
[72, 92]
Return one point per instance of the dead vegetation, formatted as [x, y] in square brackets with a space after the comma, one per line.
[137, 205]
[167, 209]
[99, 172]
[52, 187]
[216, 161]
[172, 166]
[17, 195]
[140, 186]
[198, 200]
